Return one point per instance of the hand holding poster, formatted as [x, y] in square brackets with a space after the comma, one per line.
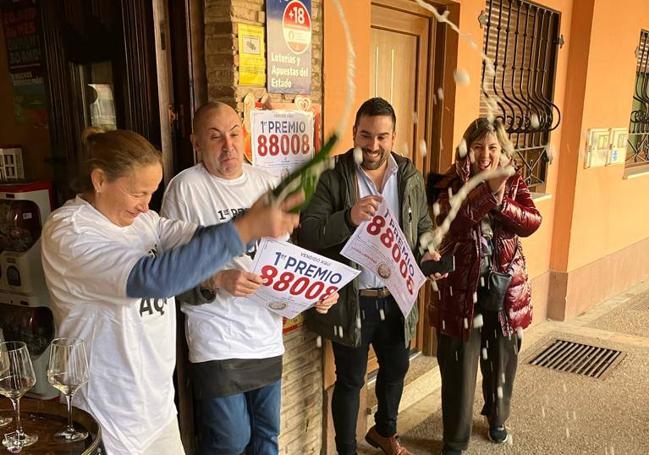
[380, 246]
[295, 279]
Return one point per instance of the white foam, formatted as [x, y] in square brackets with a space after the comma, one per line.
[462, 149]
[461, 77]
[422, 148]
[358, 155]
[534, 121]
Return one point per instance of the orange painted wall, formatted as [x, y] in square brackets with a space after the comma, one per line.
[335, 64]
[467, 97]
[588, 213]
[465, 105]
[609, 211]
[578, 43]
[537, 247]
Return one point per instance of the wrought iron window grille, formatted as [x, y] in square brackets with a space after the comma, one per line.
[522, 40]
[638, 142]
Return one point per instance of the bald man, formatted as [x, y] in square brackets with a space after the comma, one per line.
[235, 345]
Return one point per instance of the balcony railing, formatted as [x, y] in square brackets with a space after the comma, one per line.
[638, 145]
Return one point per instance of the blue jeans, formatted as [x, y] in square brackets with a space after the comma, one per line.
[241, 423]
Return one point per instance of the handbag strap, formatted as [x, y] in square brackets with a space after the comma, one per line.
[510, 268]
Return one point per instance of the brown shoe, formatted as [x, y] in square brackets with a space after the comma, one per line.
[390, 446]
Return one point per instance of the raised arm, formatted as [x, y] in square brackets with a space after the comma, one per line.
[476, 205]
[184, 267]
[519, 214]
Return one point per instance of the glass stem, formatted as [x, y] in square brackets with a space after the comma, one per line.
[16, 404]
[68, 401]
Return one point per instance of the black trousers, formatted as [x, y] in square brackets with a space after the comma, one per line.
[458, 364]
[387, 338]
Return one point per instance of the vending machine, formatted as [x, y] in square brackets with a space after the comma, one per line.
[25, 314]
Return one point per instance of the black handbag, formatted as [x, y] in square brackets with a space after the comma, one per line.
[493, 297]
[497, 283]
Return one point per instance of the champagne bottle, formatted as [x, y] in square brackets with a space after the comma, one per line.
[306, 177]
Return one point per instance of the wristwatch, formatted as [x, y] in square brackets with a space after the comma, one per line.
[207, 294]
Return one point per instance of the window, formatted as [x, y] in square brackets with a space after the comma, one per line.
[522, 40]
[638, 145]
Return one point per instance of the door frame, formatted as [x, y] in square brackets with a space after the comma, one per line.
[182, 83]
[437, 120]
[442, 60]
[427, 25]
[442, 115]
[190, 81]
[135, 89]
[182, 88]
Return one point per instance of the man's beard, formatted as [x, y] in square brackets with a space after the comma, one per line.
[373, 165]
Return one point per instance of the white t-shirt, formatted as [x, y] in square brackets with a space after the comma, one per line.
[230, 327]
[130, 343]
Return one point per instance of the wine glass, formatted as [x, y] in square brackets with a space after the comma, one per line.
[68, 371]
[16, 377]
[4, 421]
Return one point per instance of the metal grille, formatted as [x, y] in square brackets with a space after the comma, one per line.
[522, 39]
[643, 304]
[578, 358]
[638, 145]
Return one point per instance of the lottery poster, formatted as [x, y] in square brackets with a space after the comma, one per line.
[295, 279]
[380, 246]
[281, 141]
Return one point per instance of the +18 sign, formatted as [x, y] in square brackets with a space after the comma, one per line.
[296, 24]
[288, 38]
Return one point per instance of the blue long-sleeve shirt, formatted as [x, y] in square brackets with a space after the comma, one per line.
[181, 268]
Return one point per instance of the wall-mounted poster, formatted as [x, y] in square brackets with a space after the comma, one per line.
[281, 140]
[288, 29]
[252, 62]
[21, 26]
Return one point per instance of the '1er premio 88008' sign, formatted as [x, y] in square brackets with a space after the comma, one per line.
[294, 279]
[379, 245]
[281, 140]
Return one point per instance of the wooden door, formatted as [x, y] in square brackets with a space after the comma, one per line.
[399, 66]
[126, 46]
[107, 43]
[400, 71]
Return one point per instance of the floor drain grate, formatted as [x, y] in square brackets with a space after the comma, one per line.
[584, 359]
[643, 304]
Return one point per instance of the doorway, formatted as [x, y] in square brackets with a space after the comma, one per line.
[402, 70]
[127, 64]
[109, 65]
